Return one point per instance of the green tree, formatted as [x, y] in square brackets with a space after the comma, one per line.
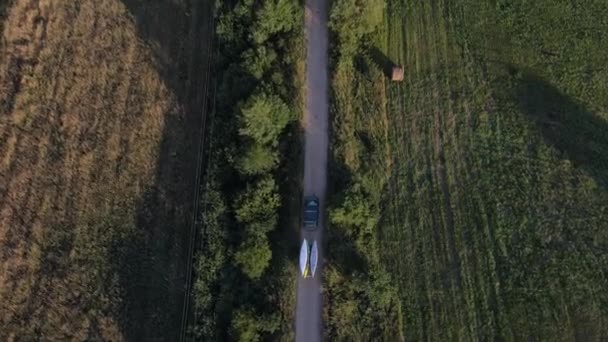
[259, 202]
[254, 256]
[355, 210]
[234, 22]
[259, 60]
[245, 326]
[264, 117]
[352, 19]
[249, 326]
[257, 159]
[275, 16]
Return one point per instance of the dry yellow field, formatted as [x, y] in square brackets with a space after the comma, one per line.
[95, 137]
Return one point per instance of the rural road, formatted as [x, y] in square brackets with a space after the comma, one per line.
[309, 300]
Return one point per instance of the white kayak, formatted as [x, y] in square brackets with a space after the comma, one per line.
[314, 256]
[304, 258]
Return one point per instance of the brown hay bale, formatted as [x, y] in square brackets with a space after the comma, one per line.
[397, 75]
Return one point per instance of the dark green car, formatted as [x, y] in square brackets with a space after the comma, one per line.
[311, 212]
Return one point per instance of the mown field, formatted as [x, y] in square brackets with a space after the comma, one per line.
[481, 178]
[100, 111]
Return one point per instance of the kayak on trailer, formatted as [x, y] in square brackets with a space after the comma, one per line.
[314, 256]
[304, 258]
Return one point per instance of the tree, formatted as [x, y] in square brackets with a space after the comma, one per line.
[352, 19]
[259, 202]
[259, 60]
[258, 159]
[245, 326]
[264, 117]
[275, 16]
[234, 21]
[355, 211]
[249, 326]
[254, 256]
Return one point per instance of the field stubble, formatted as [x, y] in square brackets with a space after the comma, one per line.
[99, 106]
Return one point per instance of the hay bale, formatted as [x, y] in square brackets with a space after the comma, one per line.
[397, 75]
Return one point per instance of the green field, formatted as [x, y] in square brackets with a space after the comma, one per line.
[484, 170]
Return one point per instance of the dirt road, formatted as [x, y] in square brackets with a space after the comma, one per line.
[309, 299]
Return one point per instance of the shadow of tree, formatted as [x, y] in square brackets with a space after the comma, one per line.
[179, 34]
[344, 254]
[285, 239]
[564, 123]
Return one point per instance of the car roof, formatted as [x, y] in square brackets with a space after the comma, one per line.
[311, 198]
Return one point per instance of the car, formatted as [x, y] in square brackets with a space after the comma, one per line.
[311, 212]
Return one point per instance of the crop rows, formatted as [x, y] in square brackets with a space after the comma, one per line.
[478, 207]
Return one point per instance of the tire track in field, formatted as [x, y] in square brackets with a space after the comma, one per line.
[409, 222]
[464, 243]
[418, 124]
[412, 120]
[451, 183]
[470, 259]
[390, 234]
[473, 84]
[433, 251]
[449, 267]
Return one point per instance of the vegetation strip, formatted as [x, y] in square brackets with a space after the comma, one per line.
[243, 288]
[494, 157]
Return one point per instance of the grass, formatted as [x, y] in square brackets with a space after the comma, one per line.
[96, 126]
[491, 167]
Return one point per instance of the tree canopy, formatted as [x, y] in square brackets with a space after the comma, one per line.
[245, 326]
[352, 19]
[275, 16]
[254, 256]
[259, 202]
[258, 159]
[264, 117]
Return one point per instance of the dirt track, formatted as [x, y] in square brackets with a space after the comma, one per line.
[309, 298]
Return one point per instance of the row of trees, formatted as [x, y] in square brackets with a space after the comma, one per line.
[261, 119]
[254, 109]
